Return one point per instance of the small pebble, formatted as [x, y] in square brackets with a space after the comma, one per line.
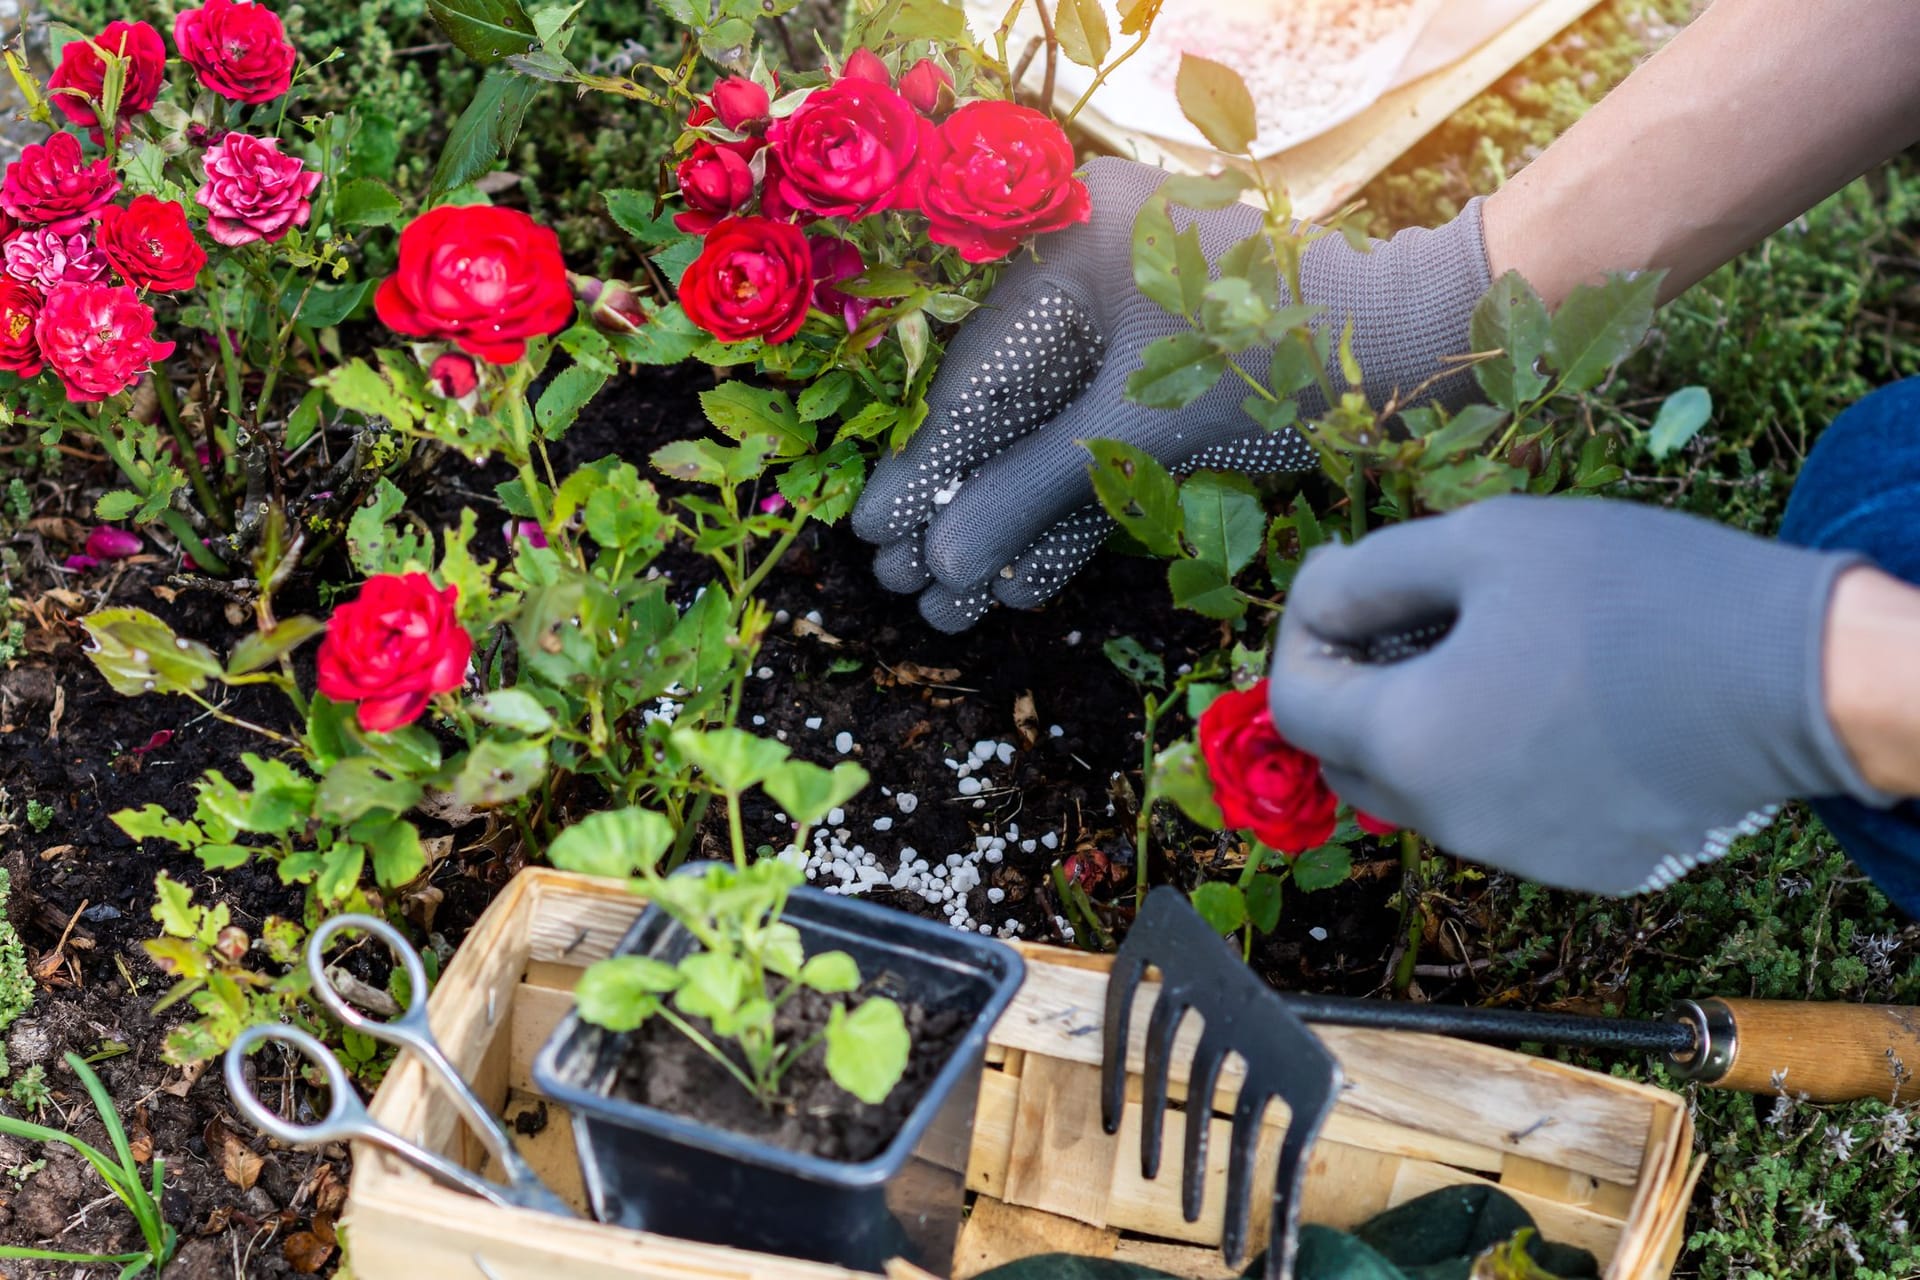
[907, 801]
[836, 816]
[813, 616]
[1004, 753]
[1055, 731]
[1317, 934]
[813, 722]
[1073, 637]
[764, 673]
[996, 894]
[969, 786]
[843, 742]
[781, 617]
[883, 824]
[1050, 840]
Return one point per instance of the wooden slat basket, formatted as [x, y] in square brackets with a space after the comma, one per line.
[1602, 1163]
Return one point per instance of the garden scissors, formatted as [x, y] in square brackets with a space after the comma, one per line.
[347, 1118]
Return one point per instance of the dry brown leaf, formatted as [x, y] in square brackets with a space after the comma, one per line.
[56, 851]
[329, 1193]
[240, 1166]
[1026, 720]
[920, 729]
[306, 1252]
[804, 628]
[168, 594]
[62, 596]
[914, 673]
[139, 1137]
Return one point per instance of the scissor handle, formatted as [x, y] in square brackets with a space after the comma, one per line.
[410, 1027]
[346, 1119]
[412, 1030]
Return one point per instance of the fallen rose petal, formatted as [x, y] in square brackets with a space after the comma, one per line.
[109, 543]
[79, 564]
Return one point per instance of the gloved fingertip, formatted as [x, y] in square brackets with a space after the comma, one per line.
[954, 611]
[901, 567]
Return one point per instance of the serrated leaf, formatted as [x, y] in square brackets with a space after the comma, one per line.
[264, 648]
[1180, 775]
[741, 409]
[1214, 99]
[1599, 325]
[513, 709]
[394, 845]
[484, 131]
[151, 822]
[825, 395]
[361, 784]
[325, 306]
[1139, 493]
[1201, 586]
[1175, 371]
[1322, 868]
[1224, 519]
[496, 772]
[1457, 484]
[116, 504]
[632, 211]
[374, 545]
[484, 30]
[569, 392]
[732, 759]
[138, 653]
[1468, 429]
[1681, 416]
[1155, 256]
[365, 202]
[1135, 662]
[1511, 319]
[1207, 191]
[1222, 906]
[1263, 902]
[1081, 28]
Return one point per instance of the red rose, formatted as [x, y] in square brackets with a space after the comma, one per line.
[151, 245]
[741, 105]
[865, 65]
[239, 49]
[19, 307]
[483, 278]
[80, 80]
[927, 86]
[392, 648]
[1261, 781]
[51, 183]
[752, 280]
[98, 338]
[849, 150]
[453, 375]
[714, 181]
[996, 174]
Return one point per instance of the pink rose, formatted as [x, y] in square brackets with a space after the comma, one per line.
[851, 149]
[253, 192]
[52, 184]
[240, 50]
[98, 338]
[46, 258]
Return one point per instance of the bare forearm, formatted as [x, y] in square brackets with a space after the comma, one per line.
[1872, 677]
[1754, 113]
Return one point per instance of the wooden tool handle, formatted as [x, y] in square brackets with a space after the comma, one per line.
[1828, 1052]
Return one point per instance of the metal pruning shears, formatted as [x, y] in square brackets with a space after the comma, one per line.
[347, 1119]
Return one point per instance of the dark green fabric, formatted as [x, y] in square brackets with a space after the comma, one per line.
[1436, 1237]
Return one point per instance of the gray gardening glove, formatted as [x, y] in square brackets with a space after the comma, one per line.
[991, 498]
[1616, 691]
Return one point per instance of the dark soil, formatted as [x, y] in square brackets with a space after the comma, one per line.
[909, 697]
[813, 1116]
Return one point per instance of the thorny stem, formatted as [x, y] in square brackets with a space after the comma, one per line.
[1053, 54]
[238, 723]
[189, 455]
[1143, 830]
[1356, 499]
[177, 524]
[1101, 78]
[1416, 920]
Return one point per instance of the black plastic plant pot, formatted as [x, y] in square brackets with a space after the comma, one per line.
[654, 1171]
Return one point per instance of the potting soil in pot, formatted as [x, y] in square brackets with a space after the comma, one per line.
[815, 1116]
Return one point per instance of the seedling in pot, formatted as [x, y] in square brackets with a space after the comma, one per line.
[726, 995]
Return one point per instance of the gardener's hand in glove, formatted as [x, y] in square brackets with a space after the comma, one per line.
[1619, 692]
[991, 498]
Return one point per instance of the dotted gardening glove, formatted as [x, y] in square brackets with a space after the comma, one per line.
[991, 499]
[1615, 693]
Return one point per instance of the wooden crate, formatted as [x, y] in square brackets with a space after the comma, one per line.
[1599, 1162]
[1324, 173]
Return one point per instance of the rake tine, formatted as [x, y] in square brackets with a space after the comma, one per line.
[1202, 1078]
[1122, 983]
[1303, 1126]
[1161, 1029]
[1243, 1149]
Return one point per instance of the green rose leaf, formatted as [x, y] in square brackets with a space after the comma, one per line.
[1180, 775]
[1512, 320]
[514, 709]
[1322, 868]
[1681, 416]
[1222, 906]
[496, 772]
[1598, 325]
[138, 653]
[1139, 493]
[264, 648]
[1215, 101]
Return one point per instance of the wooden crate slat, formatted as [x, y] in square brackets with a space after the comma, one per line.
[1174, 1259]
[996, 1233]
[1060, 1159]
[1528, 1106]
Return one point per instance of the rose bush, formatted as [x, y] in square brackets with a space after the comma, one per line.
[393, 648]
[483, 278]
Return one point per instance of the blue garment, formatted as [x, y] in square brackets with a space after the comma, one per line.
[1860, 491]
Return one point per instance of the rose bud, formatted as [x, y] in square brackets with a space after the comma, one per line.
[714, 181]
[928, 87]
[741, 105]
[528, 531]
[865, 64]
[232, 944]
[617, 309]
[453, 375]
